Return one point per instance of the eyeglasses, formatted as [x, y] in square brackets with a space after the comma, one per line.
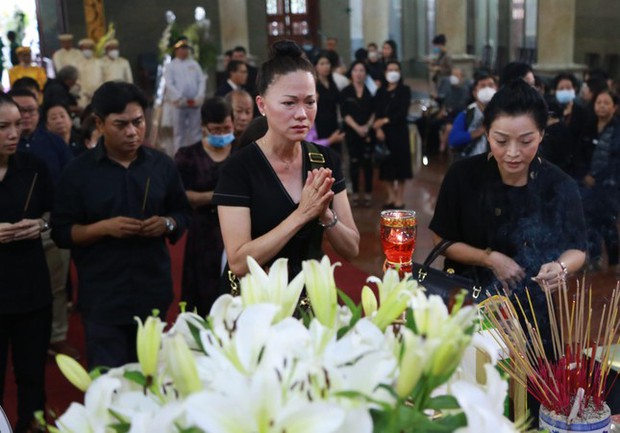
[28, 110]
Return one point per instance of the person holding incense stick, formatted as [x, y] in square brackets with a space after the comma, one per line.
[116, 205]
[516, 219]
[25, 293]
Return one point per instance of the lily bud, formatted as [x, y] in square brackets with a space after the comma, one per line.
[148, 343]
[369, 301]
[74, 372]
[181, 365]
[411, 364]
[391, 308]
[321, 289]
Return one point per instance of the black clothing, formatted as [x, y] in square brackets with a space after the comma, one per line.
[110, 345]
[28, 335]
[360, 148]
[24, 281]
[204, 247]
[25, 293]
[394, 105]
[48, 147]
[533, 224]
[555, 146]
[120, 278]
[224, 89]
[326, 120]
[248, 180]
[57, 92]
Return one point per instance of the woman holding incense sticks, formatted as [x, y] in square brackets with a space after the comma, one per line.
[25, 294]
[516, 220]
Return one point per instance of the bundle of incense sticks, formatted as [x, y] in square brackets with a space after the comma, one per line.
[556, 381]
[30, 191]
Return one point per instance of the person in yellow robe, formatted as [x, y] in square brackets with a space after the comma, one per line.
[25, 68]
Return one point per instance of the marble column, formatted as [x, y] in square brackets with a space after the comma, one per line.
[376, 16]
[451, 20]
[233, 24]
[556, 37]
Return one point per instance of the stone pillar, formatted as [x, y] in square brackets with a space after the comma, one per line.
[233, 24]
[556, 37]
[451, 20]
[376, 16]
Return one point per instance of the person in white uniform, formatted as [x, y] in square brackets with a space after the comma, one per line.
[115, 67]
[185, 88]
[91, 73]
[66, 55]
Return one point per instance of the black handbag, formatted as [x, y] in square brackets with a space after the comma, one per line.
[445, 284]
[381, 152]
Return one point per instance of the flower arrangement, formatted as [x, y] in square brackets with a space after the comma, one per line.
[569, 378]
[250, 366]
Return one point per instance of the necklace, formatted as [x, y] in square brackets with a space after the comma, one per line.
[285, 163]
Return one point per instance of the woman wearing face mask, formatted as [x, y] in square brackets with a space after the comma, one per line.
[199, 166]
[599, 173]
[467, 137]
[390, 125]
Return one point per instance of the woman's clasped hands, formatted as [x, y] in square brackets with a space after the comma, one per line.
[317, 193]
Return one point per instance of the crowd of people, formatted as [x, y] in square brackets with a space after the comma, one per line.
[257, 171]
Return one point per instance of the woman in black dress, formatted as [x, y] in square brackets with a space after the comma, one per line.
[272, 200]
[25, 292]
[326, 121]
[357, 108]
[390, 125]
[199, 166]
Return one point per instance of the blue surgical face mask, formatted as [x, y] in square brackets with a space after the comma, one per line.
[565, 96]
[436, 50]
[221, 140]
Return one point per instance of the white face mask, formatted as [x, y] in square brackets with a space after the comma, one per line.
[113, 54]
[485, 94]
[454, 80]
[392, 76]
[373, 55]
[87, 53]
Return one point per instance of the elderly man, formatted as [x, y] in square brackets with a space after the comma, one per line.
[50, 148]
[59, 90]
[91, 73]
[25, 68]
[185, 88]
[115, 207]
[66, 55]
[113, 66]
[242, 110]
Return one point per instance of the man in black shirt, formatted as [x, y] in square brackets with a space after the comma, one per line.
[115, 206]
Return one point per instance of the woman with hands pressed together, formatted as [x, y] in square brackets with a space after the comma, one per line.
[25, 292]
[279, 195]
[516, 219]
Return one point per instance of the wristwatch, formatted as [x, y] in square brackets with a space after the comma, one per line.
[170, 225]
[45, 226]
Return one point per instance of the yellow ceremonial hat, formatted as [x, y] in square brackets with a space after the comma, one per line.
[182, 44]
[65, 37]
[86, 42]
[111, 43]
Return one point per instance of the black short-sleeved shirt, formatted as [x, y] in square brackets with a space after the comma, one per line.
[533, 224]
[248, 180]
[24, 278]
[127, 277]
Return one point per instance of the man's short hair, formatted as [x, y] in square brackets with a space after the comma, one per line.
[233, 66]
[67, 73]
[26, 83]
[22, 91]
[114, 96]
[240, 49]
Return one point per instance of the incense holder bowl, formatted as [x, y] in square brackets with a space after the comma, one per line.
[598, 422]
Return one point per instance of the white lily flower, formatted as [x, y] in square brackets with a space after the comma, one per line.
[394, 296]
[258, 287]
[483, 406]
[182, 326]
[321, 289]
